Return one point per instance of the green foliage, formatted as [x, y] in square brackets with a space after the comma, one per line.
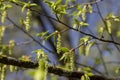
[85, 77]
[57, 7]
[101, 31]
[109, 26]
[41, 54]
[4, 15]
[13, 68]
[3, 72]
[25, 58]
[28, 5]
[68, 58]
[85, 45]
[41, 72]
[81, 11]
[79, 24]
[82, 49]
[11, 46]
[42, 34]
[27, 22]
[46, 36]
[64, 49]
[88, 47]
[2, 30]
[7, 49]
[111, 16]
[3, 9]
[88, 73]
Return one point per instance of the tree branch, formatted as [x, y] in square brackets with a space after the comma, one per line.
[97, 38]
[51, 69]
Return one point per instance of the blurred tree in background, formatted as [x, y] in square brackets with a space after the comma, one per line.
[59, 40]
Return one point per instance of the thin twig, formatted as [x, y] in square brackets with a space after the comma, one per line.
[101, 56]
[96, 1]
[106, 26]
[97, 71]
[29, 35]
[112, 62]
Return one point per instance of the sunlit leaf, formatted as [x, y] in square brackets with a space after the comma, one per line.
[87, 70]
[85, 77]
[65, 56]
[25, 58]
[12, 68]
[42, 34]
[101, 30]
[89, 45]
[41, 72]
[3, 72]
[11, 46]
[82, 49]
[64, 49]
[24, 7]
[109, 26]
[85, 39]
[4, 16]
[2, 30]
[84, 12]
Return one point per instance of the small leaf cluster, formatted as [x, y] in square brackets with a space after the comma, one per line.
[46, 35]
[68, 58]
[2, 30]
[79, 15]
[4, 68]
[7, 49]
[85, 45]
[57, 7]
[42, 58]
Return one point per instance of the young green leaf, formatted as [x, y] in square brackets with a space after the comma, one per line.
[41, 72]
[87, 49]
[3, 72]
[4, 15]
[24, 7]
[42, 34]
[11, 46]
[83, 15]
[64, 49]
[82, 49]
[109, 26]
[2, 30]
[85, 77]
